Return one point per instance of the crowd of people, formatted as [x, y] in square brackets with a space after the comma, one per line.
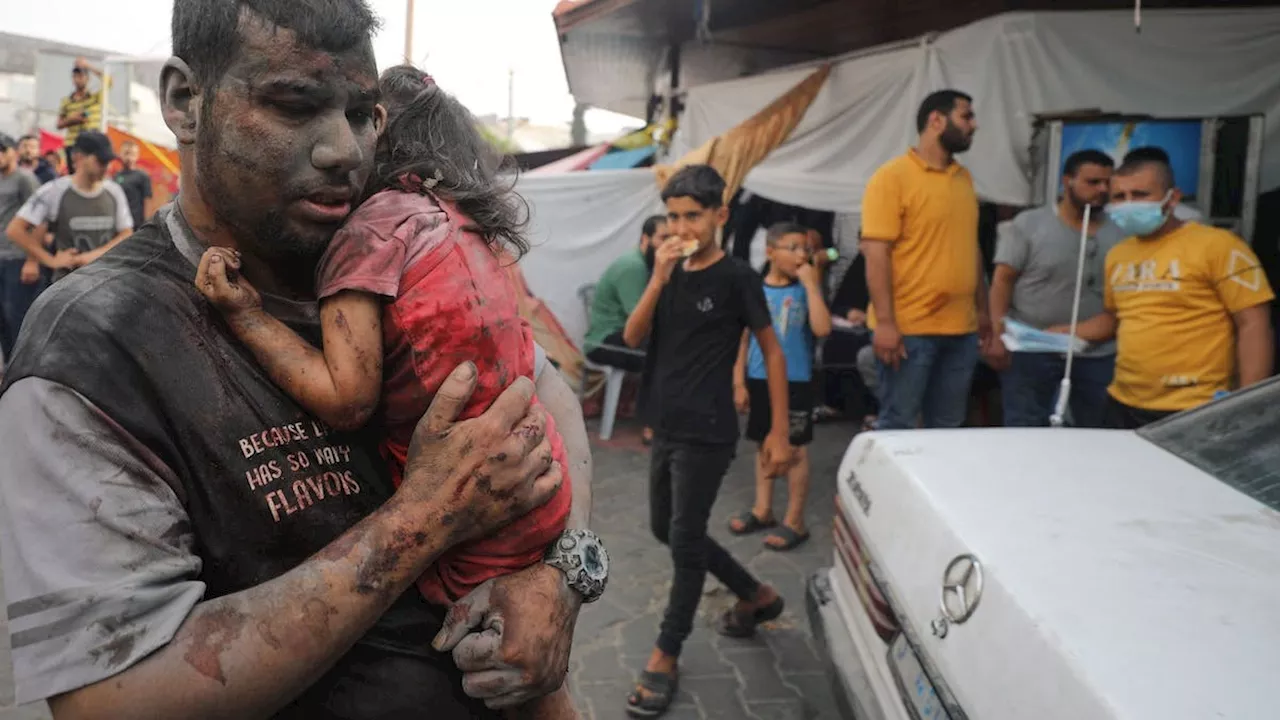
[286, 448]
[67, 208]
[1172, 312]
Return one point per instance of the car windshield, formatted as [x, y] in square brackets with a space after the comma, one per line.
[1236, 439]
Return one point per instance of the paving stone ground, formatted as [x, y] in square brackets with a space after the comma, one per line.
[776, 676]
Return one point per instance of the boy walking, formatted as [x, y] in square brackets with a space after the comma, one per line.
[694, 310]
[793, 291]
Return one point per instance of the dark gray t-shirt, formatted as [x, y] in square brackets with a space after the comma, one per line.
[1045, 251]
[83, 221]
[15, 189]
[102, 564]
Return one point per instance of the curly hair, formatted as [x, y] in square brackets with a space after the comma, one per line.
[433, 139]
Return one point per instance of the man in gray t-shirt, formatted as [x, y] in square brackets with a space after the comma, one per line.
[86, 213]
[17, 288]
[1037, 254]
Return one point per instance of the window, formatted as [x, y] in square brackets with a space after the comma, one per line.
[1236, 440]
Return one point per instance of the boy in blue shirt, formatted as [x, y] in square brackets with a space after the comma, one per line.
[694, 311]
[793, 290]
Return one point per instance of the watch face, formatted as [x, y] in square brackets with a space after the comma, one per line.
[594, 561]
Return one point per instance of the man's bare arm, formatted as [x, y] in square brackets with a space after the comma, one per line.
[563, 406]
[879, 255]
[249, 654]
[29, 238]
[1099, 328]
[86, 258]
[1255, 345]
[1001, 294]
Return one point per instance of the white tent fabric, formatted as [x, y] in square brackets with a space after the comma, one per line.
[1184, 63]
[579, 224]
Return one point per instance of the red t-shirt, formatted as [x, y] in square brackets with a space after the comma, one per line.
[449, 301]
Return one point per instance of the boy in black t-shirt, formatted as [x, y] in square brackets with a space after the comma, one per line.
[694, 310]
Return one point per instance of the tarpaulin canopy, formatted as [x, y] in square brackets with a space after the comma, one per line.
[624, 159]
[577, 161]
[580, 223]
[1184, 63]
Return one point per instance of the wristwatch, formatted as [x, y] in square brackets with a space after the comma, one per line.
[581, 556]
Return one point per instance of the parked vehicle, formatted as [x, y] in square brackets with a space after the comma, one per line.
[1011, 574]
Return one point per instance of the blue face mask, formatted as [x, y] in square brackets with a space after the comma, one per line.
[1140, 217]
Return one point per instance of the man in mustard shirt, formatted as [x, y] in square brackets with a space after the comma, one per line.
[1188, 304]
[924, 271]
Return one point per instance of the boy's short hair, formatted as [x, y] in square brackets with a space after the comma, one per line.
[128, 144]
[700, 182]
[777, 231]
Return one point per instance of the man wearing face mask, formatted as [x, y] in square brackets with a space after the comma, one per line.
[1035, 278]
[924, 271]
[1188, 304]
[617, 294]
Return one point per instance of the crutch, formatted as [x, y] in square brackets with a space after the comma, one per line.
[1064, 390]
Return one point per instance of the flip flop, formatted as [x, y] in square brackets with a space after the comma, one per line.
[789, 537]
[734, 625]
[750, 523]
[659, 692]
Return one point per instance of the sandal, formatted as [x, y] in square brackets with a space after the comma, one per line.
[735, 625]
[789, 537]
[749, 523]
[659, 692]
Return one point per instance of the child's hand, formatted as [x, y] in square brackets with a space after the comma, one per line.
[741, 398]
[779, 456]
[809, 275]
[218, 278]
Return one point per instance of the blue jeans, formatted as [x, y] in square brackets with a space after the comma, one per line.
[1030, 389]
[932, 383]
[15, 300]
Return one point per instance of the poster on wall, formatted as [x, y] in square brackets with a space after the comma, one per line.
[1181, 139]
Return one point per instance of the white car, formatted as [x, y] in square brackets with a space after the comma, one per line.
[1039, 574]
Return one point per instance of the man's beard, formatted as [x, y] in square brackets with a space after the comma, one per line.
[651, 258]
[954, 140]
[266, 235]
[1095, 207]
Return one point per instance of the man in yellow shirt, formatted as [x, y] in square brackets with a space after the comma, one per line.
[82, 109]
[924, 271]
[1188, 304]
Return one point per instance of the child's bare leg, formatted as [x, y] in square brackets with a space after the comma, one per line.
[764, 491]
[798, 491]
[556, 706]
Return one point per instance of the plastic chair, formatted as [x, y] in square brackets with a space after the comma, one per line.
[613, 376]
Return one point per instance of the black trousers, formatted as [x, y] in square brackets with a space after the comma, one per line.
[684, 480]
[1119, 416]
[614, 356]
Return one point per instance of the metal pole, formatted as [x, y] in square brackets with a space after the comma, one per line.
[511, 104]
[408, 32]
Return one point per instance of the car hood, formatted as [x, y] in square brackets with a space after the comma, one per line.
[1119, 580]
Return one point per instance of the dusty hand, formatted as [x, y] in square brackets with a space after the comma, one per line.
[480, 474]
[665, 259]
[30, 272]
[218, 278]
[511, 636]
[779, 456]
[741, 398]
[888, 345]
